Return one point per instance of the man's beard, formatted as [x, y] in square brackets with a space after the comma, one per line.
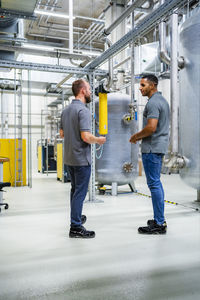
[88, 99]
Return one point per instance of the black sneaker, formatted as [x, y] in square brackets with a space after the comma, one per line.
[151, 222]
[152, 229]
[81, 232]
[83, 219]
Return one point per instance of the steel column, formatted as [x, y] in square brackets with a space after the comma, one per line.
[71, 40]
[92, 196]
[29, 132]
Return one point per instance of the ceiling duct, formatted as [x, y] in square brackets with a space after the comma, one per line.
[18, 8]
[8, 31]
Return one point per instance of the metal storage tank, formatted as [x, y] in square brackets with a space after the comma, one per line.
[190, 100]
[119, 160]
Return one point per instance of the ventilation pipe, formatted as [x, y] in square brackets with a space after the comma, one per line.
[125, 14]
[175, 162]
[174, 83]
[110, 67]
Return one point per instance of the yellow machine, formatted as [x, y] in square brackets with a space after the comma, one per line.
[59, 161]
[39, 152]
[8, 148]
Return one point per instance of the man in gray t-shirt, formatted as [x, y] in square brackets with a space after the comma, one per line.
[154, 136]
[75, 129]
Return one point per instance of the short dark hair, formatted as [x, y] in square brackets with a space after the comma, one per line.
[150, 77]
[77, 85]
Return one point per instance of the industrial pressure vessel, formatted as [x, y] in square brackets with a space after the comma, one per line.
[190, 100]
[117, 161]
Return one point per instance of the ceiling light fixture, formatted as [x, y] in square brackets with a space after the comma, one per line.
[50, 13]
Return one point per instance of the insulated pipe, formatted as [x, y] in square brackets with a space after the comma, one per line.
[164, 57]
[174, 83]
[54, 53]
[110, 67]
[125, 14]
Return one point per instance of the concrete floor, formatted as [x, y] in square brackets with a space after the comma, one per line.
[39, 261]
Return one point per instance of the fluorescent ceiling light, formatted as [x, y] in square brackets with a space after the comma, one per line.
[52, 14]
[38, 47]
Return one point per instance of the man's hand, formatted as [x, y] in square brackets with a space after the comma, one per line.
[148, 130]
[61, 133]
[134, 139]
[101, 140]
[89, 138]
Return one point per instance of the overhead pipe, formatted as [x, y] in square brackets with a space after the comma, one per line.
[62, 29]
[110, 67]
[51, 9]
[164, 57]
[98, 20]
[93, 34]
[145, 25]
[147, 9]
[45, 8]
[82, 65]
[57, 53]
[63, 26]
[125, 14]
[91, 28]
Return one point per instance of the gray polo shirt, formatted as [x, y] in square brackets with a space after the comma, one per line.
[157, 107]
[74, 119]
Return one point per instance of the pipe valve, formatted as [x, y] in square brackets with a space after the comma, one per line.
[128, 167]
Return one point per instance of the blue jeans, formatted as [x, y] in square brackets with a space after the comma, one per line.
[152, 163]
[80, 176]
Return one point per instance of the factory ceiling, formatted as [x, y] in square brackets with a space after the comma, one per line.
[46, 22]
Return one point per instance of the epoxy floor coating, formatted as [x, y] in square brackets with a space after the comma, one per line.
[39, 261]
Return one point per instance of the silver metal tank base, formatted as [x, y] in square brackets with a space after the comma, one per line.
[198, 196]
[114, 188]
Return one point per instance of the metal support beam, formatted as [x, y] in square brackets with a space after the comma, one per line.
[71, 40]
[146, 24]
[29, 132]
[48, 68]
[92, 196]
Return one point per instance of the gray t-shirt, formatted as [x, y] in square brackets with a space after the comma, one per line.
[157, 107]
[74, 119]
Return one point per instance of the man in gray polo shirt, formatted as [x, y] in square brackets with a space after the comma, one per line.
[75, 128]
[154, 136]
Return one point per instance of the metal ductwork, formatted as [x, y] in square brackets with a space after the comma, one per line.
[8, 30]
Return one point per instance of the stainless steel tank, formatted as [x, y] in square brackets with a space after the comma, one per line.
[190, 100]
[119, 160]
